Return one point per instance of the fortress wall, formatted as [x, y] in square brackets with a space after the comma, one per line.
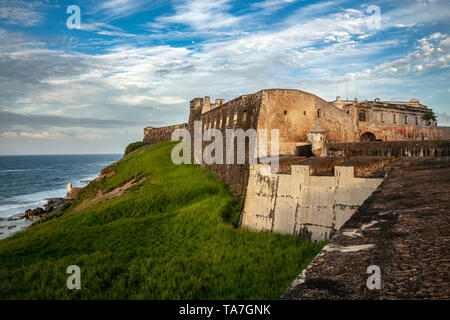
[154, 135]
[313, 207]
[390, 132]
[293, 112]
[339, 125]
[240, 113]
[390, 148]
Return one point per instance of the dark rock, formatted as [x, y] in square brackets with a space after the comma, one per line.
[52, 205]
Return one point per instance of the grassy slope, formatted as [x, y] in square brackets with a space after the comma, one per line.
[169, 237]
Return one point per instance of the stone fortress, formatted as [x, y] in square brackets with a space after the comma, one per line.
[349, 172]
[319, 185]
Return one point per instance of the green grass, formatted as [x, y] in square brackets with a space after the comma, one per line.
[170, 237]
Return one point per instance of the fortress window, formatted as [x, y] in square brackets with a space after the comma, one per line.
[395, 119]
[304, 113]
[406, 119]
[285, 112]
[417, 121]
[382, 117]
[318, 113]
[362, 115]
[244, 116]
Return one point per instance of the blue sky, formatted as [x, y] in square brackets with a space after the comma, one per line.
[135, 63]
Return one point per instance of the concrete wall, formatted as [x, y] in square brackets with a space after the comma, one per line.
[154, 135]
[313, 207]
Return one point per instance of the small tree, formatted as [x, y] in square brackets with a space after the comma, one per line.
[134, 146]
[428, 116]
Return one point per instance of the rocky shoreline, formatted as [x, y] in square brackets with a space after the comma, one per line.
[52, 205]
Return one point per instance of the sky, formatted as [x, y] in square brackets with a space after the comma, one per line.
[93, 87]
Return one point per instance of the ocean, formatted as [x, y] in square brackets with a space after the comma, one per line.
[27, 181]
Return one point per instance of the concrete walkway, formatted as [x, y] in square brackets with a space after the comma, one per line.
[403, 228]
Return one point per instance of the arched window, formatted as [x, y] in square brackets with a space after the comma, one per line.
[318, 113]
[362, 115]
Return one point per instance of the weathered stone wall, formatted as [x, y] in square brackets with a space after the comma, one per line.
[390, 148]
[293, 113]
[392, 132]
[154, 135]
[298, 203]
[240, 113]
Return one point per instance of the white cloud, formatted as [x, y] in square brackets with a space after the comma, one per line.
[202, 15]
[64, 135]
[272, 3]
[40, 135]
[431, 53]
[115, 9]
[105, 29]
[9, 134]
[20, 13]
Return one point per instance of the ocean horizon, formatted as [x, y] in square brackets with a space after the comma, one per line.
[26, 181]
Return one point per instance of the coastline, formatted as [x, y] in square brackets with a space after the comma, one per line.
[22, 221]
[29, 182]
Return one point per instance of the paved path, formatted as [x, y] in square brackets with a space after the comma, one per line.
[403, 227]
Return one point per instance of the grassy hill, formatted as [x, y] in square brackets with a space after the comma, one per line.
[169, 236]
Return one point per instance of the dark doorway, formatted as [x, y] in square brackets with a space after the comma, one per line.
[304, 151]
[368, 136]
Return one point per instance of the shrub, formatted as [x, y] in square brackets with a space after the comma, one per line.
[133, 146]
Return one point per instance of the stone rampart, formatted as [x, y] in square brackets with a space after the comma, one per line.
[313, 207]
[155, 135]
[426, 148]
